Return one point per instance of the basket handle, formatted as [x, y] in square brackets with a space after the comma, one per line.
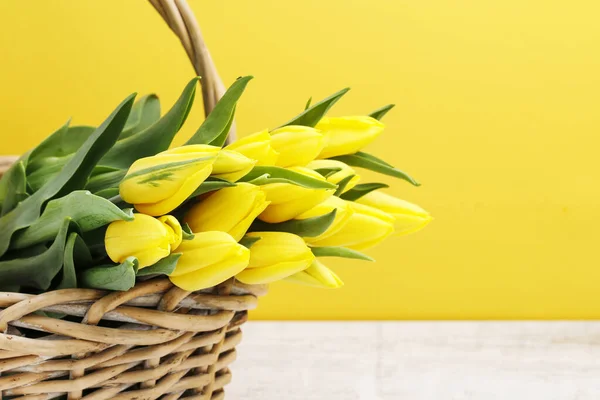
[180, 18]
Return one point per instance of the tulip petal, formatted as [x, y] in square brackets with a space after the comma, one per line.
[297, 145]
[145, 238]
[254, 276]
[256, 147]
[214, 274]
[317, 275]
[207, 248]
[347, 135]
[169, 204]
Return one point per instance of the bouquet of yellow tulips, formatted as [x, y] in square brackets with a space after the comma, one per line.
[103, 207]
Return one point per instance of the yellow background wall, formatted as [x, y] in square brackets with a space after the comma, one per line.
[497, 114]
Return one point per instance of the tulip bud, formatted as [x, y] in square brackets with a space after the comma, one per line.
[229, 165]
[275, 256]
[317, 275]
[230, 210]
[146, 238]
[409, 217]
[344, 172]
[207, 260]
[343, 214]
[157, 185]
[256, 147]
[365, 228]
[288, 200]
[297, 145]
[347, 135]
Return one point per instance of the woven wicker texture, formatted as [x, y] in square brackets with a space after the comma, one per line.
[152, 341]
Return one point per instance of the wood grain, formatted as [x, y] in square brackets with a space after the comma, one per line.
[418, 361]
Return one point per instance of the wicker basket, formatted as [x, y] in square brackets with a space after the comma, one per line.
[153, 340]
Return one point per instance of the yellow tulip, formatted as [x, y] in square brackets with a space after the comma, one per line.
[317, 275]
[347, 135]
[157, 185]
[230, 210]
[146, 238]
[297, 145]
[365, 228]
[409, 217]
[256, 147]
[208, 260]
[344, 172]
[343, 214]
[288, 201]
[229, 165]
[275, 256]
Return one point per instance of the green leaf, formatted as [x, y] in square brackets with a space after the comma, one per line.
[87, 210]
[215, 128]
[211, 185]
[248, 241]
[72, 177]
[342, 184]
[59, 147]
[261, 180]
[307, 105]
[36, 271]
[186, 232]
[108, 193]
[163, 267]
[155, 138]
[76, 253]
[339, 252]
[312, 115]
[106, 180]
[380, 112]
[282, 175]
[16, 187]
[144, 113]
[327, 172]
[309, 227]
[362, 189]
[367, 161]
[111, 277]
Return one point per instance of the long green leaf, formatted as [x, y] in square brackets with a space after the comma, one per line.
[309, 227]
[282, 175]
[87, 210]
[155, 138]
[58, 148]
[332, 251]
[211, 185]
[76, 254]
[38, 270]
[106, 180]
[72, 177]
[362, 189]
[216, 126]
[163, 267]
[342, 184]
[144, 113]
[380, 112]
[326, 172]
[16, 187]
[312, 115]
[111, 277]
[367, 161]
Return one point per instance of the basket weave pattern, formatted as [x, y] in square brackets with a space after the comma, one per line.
[153, 340]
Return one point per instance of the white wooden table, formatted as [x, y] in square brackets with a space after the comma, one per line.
[417, 360]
